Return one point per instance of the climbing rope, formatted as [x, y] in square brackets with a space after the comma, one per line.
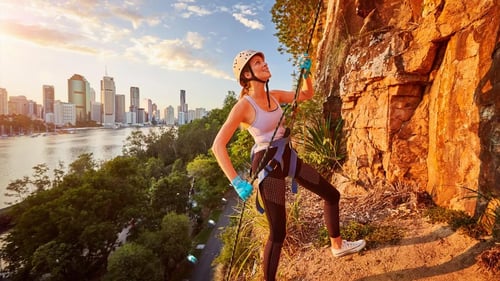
[292, 106]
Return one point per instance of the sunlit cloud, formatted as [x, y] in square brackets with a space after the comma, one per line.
[195, 40]
[45, 36]
[243, 14]
[174, 54]
[186, 10]
[252, 24]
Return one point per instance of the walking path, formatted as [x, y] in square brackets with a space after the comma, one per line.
[203, 270]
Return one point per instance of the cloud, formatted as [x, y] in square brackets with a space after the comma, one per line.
[129, 13]
[195, 40]
[45, 36]
[186, 10]
[242, 14]
[174, 54]
[252, 24]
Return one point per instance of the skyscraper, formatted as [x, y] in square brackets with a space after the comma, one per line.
[135, 100]
[120, 108]
[18, 105]
[79, 95]
[147, 105]
[4, 102]
[169, 115]
[108, 92]
[182, 110]
[48, 102]
[65, 113]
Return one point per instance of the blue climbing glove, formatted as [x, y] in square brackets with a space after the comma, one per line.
[305, 64]
[242, 187]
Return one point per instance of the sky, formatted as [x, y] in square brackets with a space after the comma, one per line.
[160, 46]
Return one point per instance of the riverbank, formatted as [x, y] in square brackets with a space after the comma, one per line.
[20, 154]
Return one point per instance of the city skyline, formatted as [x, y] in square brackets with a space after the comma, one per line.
[42, 99]
[160, 47]
[110, 111]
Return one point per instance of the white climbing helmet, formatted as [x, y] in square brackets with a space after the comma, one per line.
[241, 60]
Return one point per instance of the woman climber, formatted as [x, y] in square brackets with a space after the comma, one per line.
[258, 109]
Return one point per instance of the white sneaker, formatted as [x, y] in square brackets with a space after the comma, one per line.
[349, 248]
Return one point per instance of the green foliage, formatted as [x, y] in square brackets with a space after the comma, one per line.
[80, 215]
[354, 231]
[209, 181]
[458, 220]
[294, 21]
[239, 150]
[323, 144]
[175, 235]
[248, 245]
[161, 144]
[67, 229]
[170, 193]
[53, 258]
[135, 145]
[26, 186]
[384, 235]
[489, 219]
[133, 262]
[84, 163]
[158, 143]
[374, 235]
[196, 138]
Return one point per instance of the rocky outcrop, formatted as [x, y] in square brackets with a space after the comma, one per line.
[420, 91]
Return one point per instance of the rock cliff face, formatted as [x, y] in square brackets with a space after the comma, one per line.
[419, 86]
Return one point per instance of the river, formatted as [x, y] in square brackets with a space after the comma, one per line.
[18, 155]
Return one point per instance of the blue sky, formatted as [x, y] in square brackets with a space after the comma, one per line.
[159, 46]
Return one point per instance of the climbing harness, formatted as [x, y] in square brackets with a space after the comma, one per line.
[281, 144]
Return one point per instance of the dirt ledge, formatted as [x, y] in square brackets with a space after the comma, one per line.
[426, 252]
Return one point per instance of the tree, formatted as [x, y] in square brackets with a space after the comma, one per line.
[135, 145]
[170, 193]
[133, 262]
[80, 217]
[39, 181]
[294, 20]
[162, 145]
[175, 239]
[84, 163]
[170, 242]
[210, 184]
[240, 149]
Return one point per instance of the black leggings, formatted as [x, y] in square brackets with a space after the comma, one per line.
[272, 190]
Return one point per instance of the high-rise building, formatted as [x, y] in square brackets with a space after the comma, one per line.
[18, 105]
[154, 113]
[182, 110]
[32, 109]
[64, 113]
[48, 101]
[108, 92]
[135, 101]
[147, 105]
[4, 102]
[169, 116]
[200, 112]
[96, 112]
[191, 115]
[120, 108]
[92, 97]
[79, 95]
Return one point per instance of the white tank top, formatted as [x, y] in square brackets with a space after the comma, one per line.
[265, 123]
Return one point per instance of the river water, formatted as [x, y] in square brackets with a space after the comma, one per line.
[19, 154]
